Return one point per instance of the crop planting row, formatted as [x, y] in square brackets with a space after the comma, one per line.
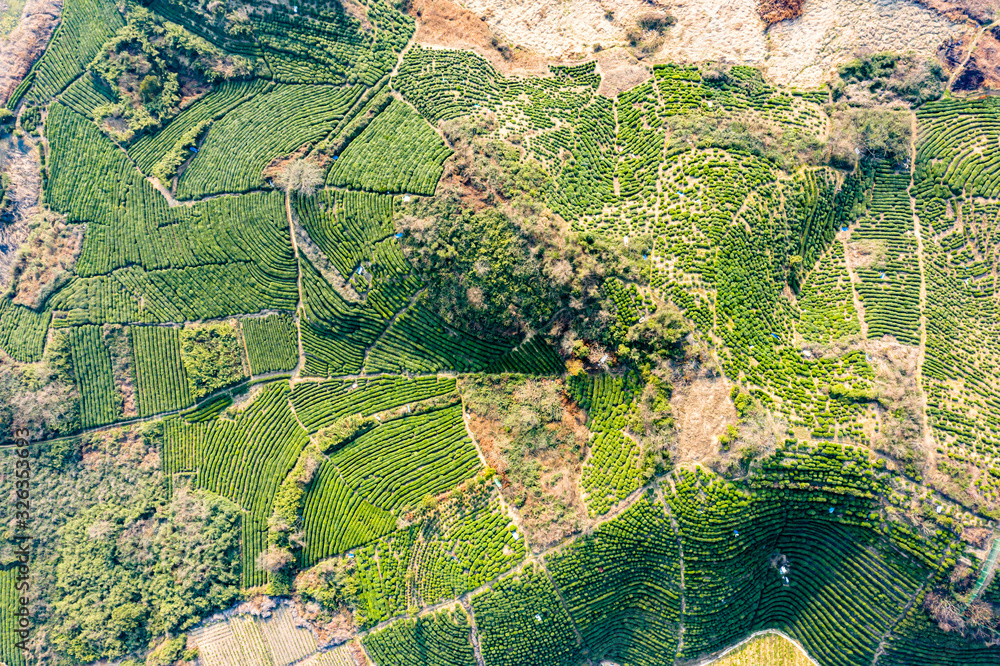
[9, 653]
[520, 621]
[953, 169]
[216, 258]
[846, 588]
[320, 404]
[458, 553]
[890, 288]
[22, 331]
[346, 226]
[828, 313]
[622, 586]
[444, 84]
[267, 126]
[149, 149]
[236, 640]
[421, 341]
[398, 464]
[244, 459]
[335, 332]
[86, 94]
[100, 401]
[272, 343]
[397, 152]
[161, 381]
[614, 468]
[438, 639]
[321, 42]
[287, 642]
[336, 518]
[958, 146]
[84, 28]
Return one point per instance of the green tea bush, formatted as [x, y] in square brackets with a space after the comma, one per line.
[267, 126]
[84, 27]
[272, 343]
[100, 400]
[520, 621]
[244, 459]
[622, 586]
[439, 639]
[161, 381]
[397, 152]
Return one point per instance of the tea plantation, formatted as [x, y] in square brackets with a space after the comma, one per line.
[303, 255]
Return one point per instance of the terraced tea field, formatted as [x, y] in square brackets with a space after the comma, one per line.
[414, 356]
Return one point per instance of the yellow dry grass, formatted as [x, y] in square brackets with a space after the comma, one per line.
[766, 650]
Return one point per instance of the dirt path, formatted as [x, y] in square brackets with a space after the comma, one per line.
[473, 632]
[989, 567]
[968, 56]
[392, 320]
[929, 447]
[297, 370]
[909, 604]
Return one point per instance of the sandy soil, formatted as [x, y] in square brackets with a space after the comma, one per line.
[803, 51]
[620, 71]
[26, 42]
[702, 409]
[561, 29]
[445, 24]
[21, 163]
[983, 67]
[807, 50]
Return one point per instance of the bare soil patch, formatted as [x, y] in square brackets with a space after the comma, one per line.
[702, 410]
[562, 29]
[19, 160]
[46, 259]
[775, 11]
[981, 11]
[446, 24]
[26, 42]
[620, 71]
[796, 43]
[983, 67]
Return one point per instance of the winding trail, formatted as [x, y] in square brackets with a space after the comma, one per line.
[928, 436]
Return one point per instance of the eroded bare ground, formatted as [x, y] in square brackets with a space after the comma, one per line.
[982, 69]
[561, 29]
[981, 11]
[446, 24]
[540, 476]
[19, 161]
[702, 410]
[46, 258]
[620, 71]
[26, 42]
[802, 51]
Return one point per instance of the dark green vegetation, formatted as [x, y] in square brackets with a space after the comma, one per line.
[411, 340]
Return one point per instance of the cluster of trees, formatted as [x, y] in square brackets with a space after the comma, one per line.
[212, 357]
[150, 64]
[41, 397]
[495, 259]
[129, 573]
[889, 77]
